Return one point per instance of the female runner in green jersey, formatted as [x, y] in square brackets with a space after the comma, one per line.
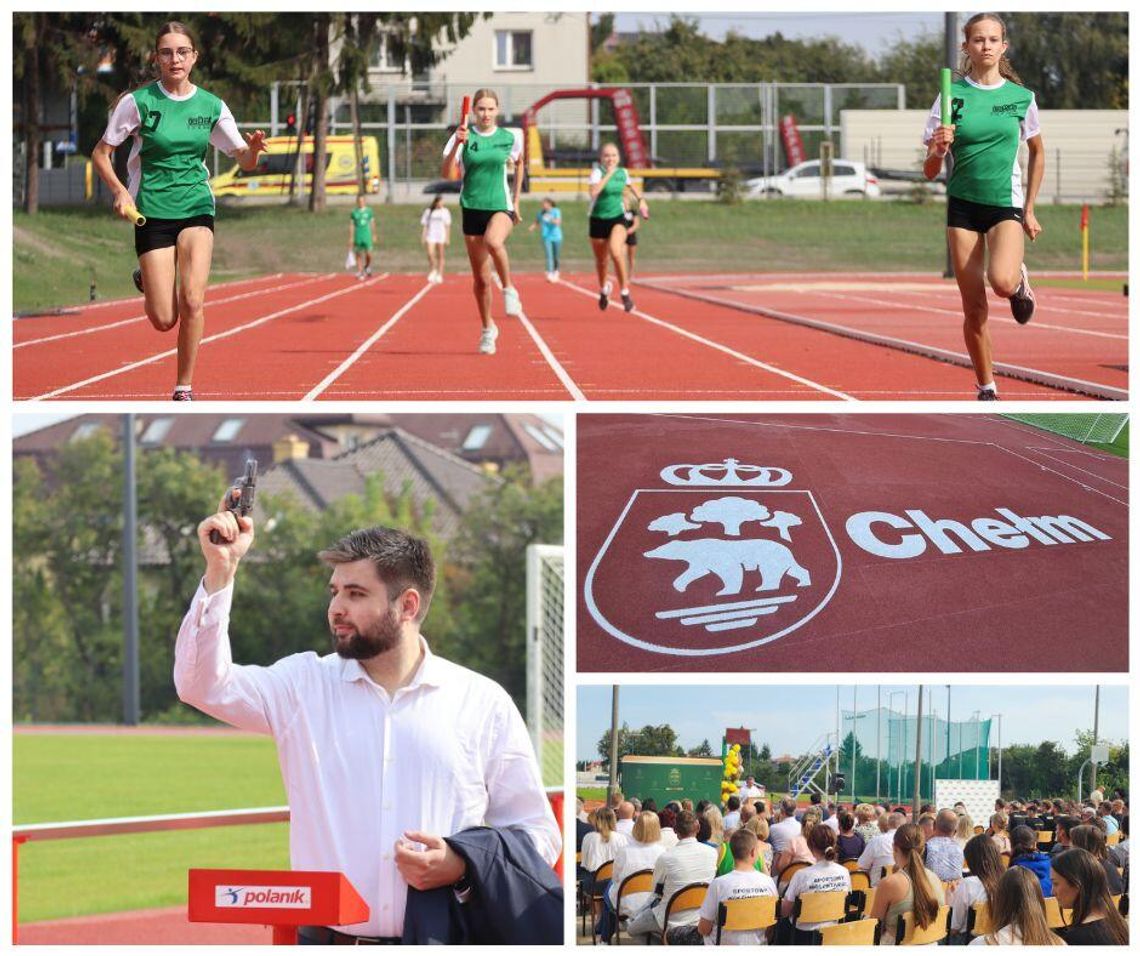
[991, 115]
[490, 210]
[609, 182]
[171, 123]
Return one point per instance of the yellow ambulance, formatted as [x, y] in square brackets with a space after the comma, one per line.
[276, 166]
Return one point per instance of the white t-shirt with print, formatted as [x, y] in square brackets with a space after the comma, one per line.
[736, 885]
[821, 877]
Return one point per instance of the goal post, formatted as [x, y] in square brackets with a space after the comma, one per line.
[545, 657]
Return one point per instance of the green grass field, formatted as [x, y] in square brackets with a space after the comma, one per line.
[56, 252]
[1076, 426]
[91, 776]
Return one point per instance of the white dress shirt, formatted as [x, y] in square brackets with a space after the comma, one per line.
[629, 859]
[596, 851]
[878, 853]
[781, 834]
[446, 752]
[625, 826]
[688, 862]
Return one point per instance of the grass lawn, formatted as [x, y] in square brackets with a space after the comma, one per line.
[1076, 426]
[58, 252]
[1119, 446]
[90, 776]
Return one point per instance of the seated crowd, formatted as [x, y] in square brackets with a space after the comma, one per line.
[1043, 872]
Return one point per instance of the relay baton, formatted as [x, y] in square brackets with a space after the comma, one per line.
[946, 77]
[131, 213]
[464, 111]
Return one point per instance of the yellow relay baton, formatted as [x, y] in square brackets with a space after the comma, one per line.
[131, 214]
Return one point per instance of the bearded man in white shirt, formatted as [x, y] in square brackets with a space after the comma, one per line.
[384, 747]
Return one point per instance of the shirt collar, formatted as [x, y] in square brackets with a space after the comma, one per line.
[428, 674]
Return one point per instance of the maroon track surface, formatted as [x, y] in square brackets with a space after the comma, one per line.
[289, 337]
[1041, 608]
[157, 927]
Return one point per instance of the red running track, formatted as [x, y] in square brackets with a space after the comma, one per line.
[158, 927]
[290, 337]
[981, 592]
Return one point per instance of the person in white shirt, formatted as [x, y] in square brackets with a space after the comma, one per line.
[384, 747]
[625, 816]
[687, 862]
[880, 852]
[600, 846]
[436, 236]
[825, 875]
[781, 834]
[751, 790]
[640, 853]
[732, 814]
[986, 868]
[1018, 910]
[743, 882]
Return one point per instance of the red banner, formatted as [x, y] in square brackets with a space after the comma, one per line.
[629, 131]
[738, 735]
[793, 144]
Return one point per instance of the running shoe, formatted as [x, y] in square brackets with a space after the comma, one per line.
[487, 340]
[1023, 301]
[136, 277]
[368, 270]
[182, 395]
[554, 276]
[438, 280]
[360, 276]
[432, 276]
[512, 305]
[604, 297]
[627, 301]
[987, 395]
[495, 278]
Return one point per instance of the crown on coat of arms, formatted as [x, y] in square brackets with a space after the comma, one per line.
[729, 472]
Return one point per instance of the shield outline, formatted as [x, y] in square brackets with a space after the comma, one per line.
[614, 631]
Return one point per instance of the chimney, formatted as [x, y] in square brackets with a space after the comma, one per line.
[289, 448]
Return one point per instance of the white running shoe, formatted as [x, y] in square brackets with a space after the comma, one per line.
[550, 277]
[495, 278]
[438, 279]
[512, 305]
[432, 276]
[554, 276]
[487, 340]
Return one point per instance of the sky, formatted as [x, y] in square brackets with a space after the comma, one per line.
[791, 718]
[875, 32]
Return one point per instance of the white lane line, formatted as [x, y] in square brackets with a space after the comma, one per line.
[366, 345]
[210, 303]
[1076, 481]
[1084, 471]
[739, 356]
[211, 338]
[563, 376]
[85, 307]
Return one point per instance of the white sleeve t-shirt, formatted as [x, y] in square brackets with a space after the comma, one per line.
[736, 885]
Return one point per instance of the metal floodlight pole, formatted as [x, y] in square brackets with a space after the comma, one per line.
[614, 744]
[130, 578]
[999, 753]
[854, 741]
[917, 760]
[878, 736]
[1096, 732]
[947, 731]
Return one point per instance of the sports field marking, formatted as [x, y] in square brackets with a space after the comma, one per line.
[1109, 459]
[142, 318]
[1059, 441]
[89, 306]
[1075, 481]
[210, 338]
[1037, 376]
[740, 356]
[563, 376]
[366, 344]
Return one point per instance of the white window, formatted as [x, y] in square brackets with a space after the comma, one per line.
[544, 437]
[85, 430]
[383, 59]
[227, 430]
[514, 50]
[477, 437]
[156, 431]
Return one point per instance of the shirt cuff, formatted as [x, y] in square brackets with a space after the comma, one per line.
[209, 608]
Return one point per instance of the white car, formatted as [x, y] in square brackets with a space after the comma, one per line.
[803, 181]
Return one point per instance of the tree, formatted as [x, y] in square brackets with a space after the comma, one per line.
[649, 741]
[704, 749]
[912, 63]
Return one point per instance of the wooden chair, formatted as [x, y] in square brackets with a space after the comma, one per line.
[602, 874]
[638, 882]
[820, 908]
[788, 872]
[909, 934]
[752, 913]
[1053, 915]
[863, 932]
[1112, 839]
[689, 897]
[1045, 840]
[1005, 861]
[850, 865]
[978, 920]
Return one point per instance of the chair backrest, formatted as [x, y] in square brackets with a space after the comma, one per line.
[1053, 915]
[863, 932]
[820, 907]
[910, 934]
[578, 858]
[790, 870]
[1005, 861]
[860, 880]
[1044, 837]
[688, 897]
[979, 922]
[639, 882]
[604, 872]
[851, 865]
[750, 913]
[1112, 839]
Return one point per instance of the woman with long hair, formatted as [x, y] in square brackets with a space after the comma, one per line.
[171, 123]
[1091, 838]
[965, 831]
[999, 831]
[1017, 909]
[600, 846]
[825, 875]
[482, 155]
[640, 853]
[988, 209]
[979, 886]
[1080, 886]
[435, 235]
[912, 888]
[609, 183]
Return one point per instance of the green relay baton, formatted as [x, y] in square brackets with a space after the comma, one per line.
[947, 76]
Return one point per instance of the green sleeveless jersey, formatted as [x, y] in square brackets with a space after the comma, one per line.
[990, 123]
[362, 226]
[609, 204]
[168, 176]
[483, 160]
